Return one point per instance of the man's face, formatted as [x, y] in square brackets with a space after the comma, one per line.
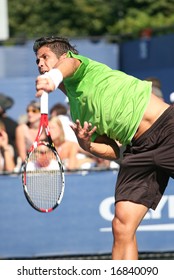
[45, 59]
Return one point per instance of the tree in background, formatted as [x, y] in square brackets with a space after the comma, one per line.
[81, 18]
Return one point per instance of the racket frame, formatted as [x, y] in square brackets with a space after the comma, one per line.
[43, 125]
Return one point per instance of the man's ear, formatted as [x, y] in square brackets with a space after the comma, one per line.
[64, 55]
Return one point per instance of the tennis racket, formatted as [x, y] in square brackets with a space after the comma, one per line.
[43, 174]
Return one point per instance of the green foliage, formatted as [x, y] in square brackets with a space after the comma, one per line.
[77, 18]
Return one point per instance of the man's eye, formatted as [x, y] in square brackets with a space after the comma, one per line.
[37, 61]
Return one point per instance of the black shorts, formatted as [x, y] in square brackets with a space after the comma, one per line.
[148, 163]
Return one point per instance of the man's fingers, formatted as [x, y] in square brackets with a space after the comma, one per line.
[44, 83]
[39, 93]
[93, 129]
[78, 124]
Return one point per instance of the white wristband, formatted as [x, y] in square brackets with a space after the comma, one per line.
[56, 76]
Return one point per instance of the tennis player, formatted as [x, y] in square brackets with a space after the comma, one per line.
[109, 106]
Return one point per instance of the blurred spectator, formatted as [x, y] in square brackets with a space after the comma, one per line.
[67, 106]
[156, 86]
[60, 111]
[42, 158]
[7, 162]
[68, 150]
[6, 103]
[27, 132]
[171, 98]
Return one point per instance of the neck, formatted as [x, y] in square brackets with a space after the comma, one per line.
[58, 143]
[34, 125]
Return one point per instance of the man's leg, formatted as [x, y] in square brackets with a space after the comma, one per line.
[128, 216]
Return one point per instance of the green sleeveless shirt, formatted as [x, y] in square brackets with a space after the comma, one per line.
[110, 99]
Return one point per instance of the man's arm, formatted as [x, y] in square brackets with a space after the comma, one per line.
[103, 147]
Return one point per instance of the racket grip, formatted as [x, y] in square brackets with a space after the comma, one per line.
[44, 103]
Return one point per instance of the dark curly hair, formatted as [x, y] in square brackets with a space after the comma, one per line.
[58, 45]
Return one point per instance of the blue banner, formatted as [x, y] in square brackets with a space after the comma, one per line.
[81, 224]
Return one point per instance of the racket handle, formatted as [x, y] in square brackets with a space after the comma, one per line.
[44, 103]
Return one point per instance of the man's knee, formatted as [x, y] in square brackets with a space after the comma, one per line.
[117, 227]
[121, 230]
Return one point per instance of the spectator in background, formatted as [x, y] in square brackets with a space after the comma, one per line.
[26, 132]
[60, 111]
[7, 162]
[171, 98]
[156, 86]
[6, 103]
[42, 158]
[68, 106]
[57, 110]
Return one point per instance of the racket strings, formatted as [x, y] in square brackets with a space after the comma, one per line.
[43, 178]
[44, 188]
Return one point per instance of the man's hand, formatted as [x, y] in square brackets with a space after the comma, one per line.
[48, 82]
[102, 147]
[44, 83]
[83, 134]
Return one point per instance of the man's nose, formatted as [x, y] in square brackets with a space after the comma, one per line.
[40, 62]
